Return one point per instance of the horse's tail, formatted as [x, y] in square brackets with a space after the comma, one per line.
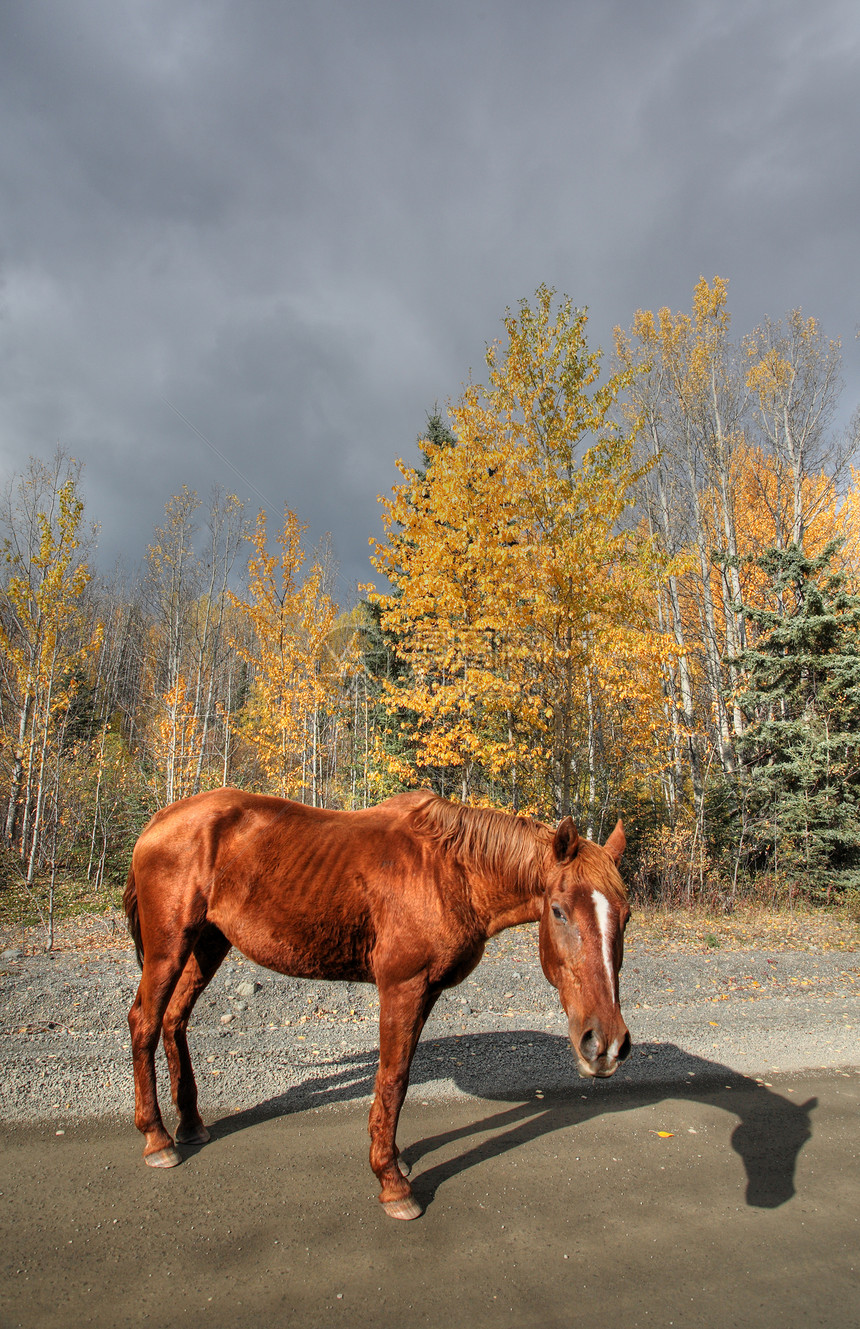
[129, 904]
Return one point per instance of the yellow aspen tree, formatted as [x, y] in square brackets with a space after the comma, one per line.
[509, 568]
[764, 504]
[176, 739]
[289, 620]
[450, 571]
[847, 524]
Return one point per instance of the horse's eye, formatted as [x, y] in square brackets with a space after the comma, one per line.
[558, 913]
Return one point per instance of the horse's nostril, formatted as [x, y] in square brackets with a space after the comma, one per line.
[624, 1050]
[589, 1045]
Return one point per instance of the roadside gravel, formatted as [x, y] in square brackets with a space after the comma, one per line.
[264, 1042]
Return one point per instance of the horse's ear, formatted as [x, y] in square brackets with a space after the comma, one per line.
[566, 842]
[617, 843]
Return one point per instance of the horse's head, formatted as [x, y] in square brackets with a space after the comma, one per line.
[582, 926]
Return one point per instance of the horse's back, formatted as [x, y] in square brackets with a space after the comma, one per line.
[226, 841]
[306, 891]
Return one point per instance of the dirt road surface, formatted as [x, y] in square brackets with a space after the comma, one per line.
[732, 1204]
[713, 1182]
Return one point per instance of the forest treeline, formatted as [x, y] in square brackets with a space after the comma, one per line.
[628, 591]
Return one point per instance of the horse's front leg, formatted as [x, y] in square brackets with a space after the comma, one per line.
[403, 1009]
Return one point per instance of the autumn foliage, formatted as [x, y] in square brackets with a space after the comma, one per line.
[577, 578]
[519, 602]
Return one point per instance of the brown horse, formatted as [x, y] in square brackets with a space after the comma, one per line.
[403, 895]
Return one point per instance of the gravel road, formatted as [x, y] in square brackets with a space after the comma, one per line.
[259, 1039]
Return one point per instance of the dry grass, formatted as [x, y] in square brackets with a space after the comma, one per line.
[693, 930]
[85, 916]
[650, 929]
[80, 932]
[749, 927]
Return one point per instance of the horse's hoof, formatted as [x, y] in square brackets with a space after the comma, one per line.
[192, 1135]
[406, 1208]
[405, 1167]
[168, 1157]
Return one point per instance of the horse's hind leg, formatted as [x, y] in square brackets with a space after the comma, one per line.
[159, 978]
[208, 952]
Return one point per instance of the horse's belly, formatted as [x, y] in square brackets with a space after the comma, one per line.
[302, 948]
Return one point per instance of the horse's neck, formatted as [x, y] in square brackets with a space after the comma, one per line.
[502, 856]
[508, 912]
[504, 900]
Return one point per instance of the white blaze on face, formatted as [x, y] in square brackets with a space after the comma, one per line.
[602, 913]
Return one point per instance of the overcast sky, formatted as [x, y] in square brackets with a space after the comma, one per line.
[300, 223]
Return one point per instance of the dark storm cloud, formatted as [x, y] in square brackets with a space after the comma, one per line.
[301, 224]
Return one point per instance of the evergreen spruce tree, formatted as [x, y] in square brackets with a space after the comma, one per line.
[801, 747]
[437, 433]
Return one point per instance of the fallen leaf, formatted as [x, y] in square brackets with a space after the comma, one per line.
[664, 1135]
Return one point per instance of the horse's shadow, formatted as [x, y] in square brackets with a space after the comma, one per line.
[506, 1067]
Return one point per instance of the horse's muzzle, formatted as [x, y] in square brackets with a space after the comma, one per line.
[597, 1058]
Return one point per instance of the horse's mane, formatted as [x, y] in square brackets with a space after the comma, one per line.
[513, 847]
[594, 868]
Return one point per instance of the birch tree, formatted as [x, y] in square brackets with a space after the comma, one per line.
[42, 638]
[187, 595]
[692, 414]
[794, 376]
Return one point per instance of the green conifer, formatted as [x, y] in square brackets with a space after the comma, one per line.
[801, 747]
